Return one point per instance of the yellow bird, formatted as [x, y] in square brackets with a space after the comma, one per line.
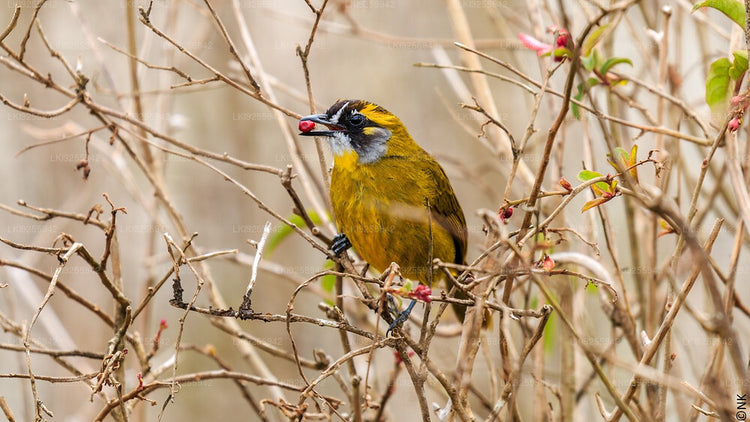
[391, 199]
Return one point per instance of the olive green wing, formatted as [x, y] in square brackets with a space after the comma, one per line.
[446, 209]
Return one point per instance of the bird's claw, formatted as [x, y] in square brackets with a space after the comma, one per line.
[340, 244]
[400, 316]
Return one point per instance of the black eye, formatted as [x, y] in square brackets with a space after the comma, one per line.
[357, 120]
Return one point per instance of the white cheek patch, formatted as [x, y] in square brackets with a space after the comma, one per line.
[376, 146]
[339, 143]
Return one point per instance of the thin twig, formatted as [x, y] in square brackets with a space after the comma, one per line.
[27, 34]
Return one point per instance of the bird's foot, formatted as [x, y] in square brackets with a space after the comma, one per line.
[400, 316]
[340, 244]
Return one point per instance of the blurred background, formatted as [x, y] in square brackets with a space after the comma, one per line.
[363, 49]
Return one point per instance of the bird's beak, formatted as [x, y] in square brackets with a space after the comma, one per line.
[323, 120]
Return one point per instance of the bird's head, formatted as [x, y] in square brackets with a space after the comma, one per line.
[357, 126]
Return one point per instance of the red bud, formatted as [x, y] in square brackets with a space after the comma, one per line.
[565, 184]
[548, 263]
[505, 214]
[734, 124]
[421, 292]
[562, 38]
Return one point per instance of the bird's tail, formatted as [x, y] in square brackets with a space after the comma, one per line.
[460, 309]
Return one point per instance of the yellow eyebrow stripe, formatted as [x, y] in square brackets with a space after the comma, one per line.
[378, 116]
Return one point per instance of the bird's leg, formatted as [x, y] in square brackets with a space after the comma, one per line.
[400, 316]
[340, 243]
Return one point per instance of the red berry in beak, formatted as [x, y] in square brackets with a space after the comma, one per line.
[306, 125]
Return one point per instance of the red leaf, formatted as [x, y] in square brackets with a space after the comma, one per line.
[534, 44]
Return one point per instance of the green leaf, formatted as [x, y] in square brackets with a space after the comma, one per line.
[620, 160]
[582, 89]
[592, 82]
[562, 52]
[593, 39]
[283, 230]
[613, 61]
[586, 175]
[739, 65]
[589, 62]
[327, 282]
[573, 106]
[733, 9]
[592, 61]
[598, 187]
[717, 85]
[622, 154]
